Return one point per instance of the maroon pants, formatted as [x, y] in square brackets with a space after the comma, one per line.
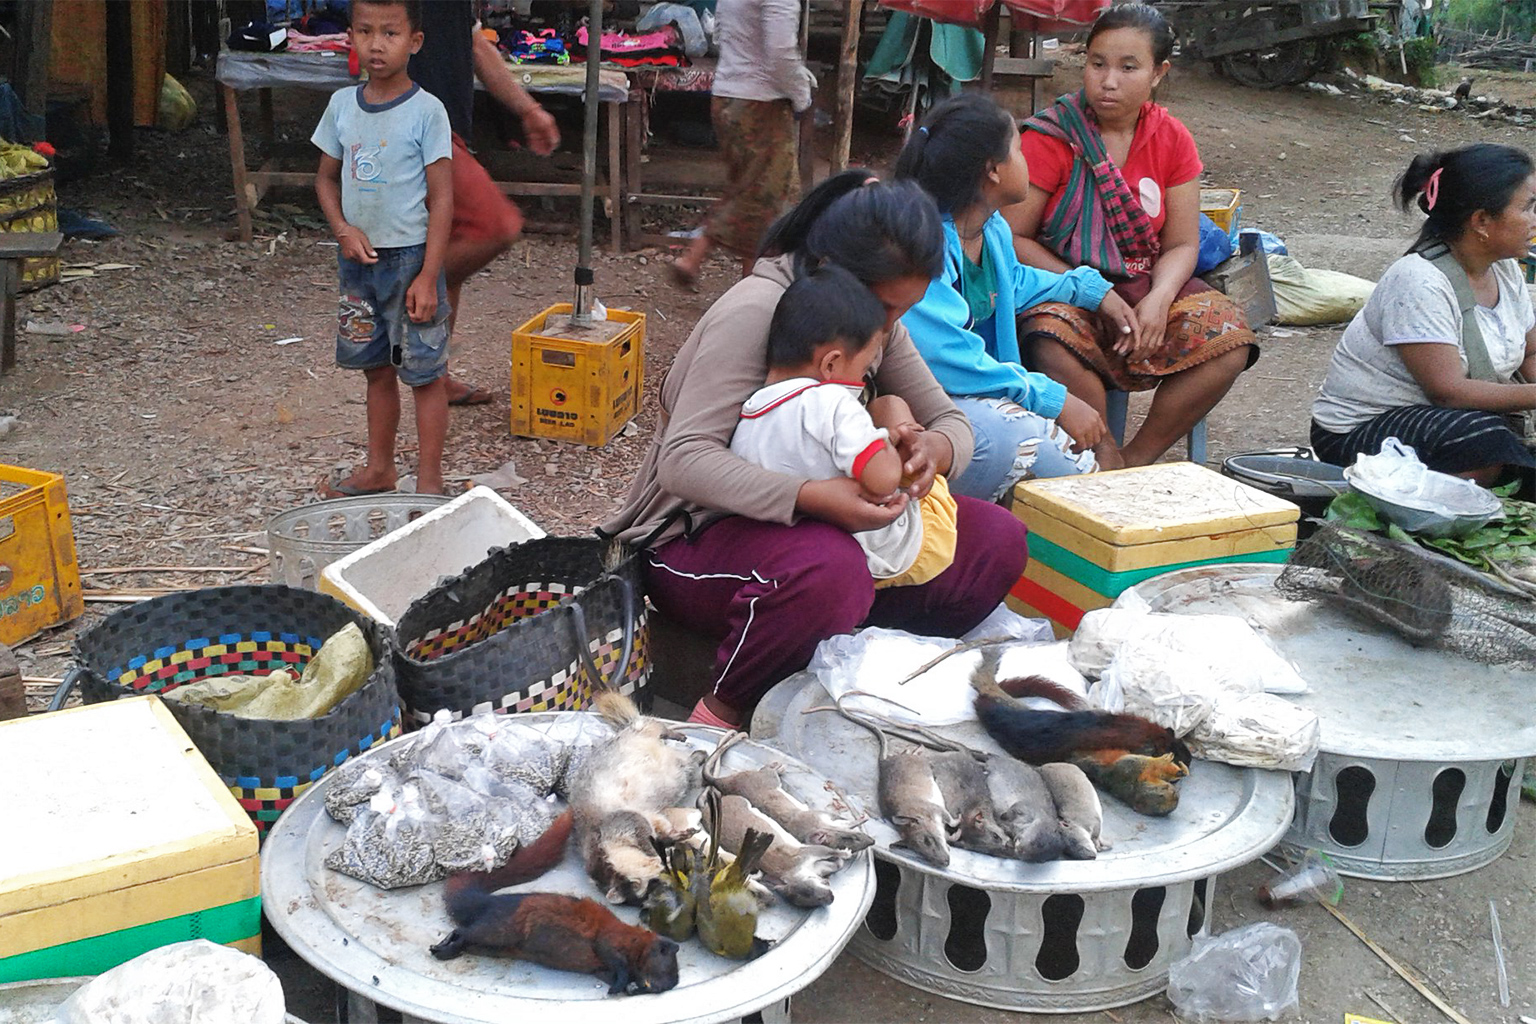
[771, 593]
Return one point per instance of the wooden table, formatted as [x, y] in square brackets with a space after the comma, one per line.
[15, 247]
[238, 72]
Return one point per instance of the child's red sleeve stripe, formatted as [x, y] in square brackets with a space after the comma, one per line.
[876, 446]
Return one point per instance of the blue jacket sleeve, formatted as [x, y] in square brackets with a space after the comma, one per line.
[1081, 286]
[959, 359]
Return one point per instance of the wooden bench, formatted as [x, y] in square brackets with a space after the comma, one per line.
[15, 247]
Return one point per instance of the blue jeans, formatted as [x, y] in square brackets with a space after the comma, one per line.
[1013, 444]
[372, 328]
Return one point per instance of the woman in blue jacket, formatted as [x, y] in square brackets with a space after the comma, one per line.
[967, 156]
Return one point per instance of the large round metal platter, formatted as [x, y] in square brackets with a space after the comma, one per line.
[374, 942]
[1226, 816]
[1375, 694]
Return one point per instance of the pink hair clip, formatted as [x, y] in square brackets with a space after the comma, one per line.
[1432, 189]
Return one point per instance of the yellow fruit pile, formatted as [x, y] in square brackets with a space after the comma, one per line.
[17, 160]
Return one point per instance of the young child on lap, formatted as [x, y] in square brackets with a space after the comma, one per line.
[808, 420]
[385, 185]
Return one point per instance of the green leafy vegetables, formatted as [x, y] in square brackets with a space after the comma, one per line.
[1508, 541]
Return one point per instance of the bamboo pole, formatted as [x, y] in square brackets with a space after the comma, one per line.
[847, 84]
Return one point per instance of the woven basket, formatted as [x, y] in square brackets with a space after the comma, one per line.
[28, 203]
[536, 626]
[157, 645]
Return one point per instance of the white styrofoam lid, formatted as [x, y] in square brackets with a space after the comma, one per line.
[98, 782]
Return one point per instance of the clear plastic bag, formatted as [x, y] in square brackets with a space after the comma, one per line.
[389, 844]
[1245, 657]
[514, 805]
[356, 783]
[1248, 974]
[461, 822]
[441, 747]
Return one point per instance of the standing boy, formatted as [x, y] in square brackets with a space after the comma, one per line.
[386, 185]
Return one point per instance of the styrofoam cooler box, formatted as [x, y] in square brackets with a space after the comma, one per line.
[382, 579]
[119, 839]
[1093, 537]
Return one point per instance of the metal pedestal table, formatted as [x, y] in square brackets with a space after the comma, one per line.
[1421, 750]
[374, 942]
[1065, 936]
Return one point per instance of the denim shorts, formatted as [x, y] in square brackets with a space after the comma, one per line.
[372, 327]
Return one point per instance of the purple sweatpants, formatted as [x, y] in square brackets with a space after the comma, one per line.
[771, 593]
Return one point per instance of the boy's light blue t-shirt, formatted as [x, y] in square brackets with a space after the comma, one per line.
[384, 149]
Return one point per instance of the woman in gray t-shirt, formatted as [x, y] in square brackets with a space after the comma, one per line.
[1402, 368]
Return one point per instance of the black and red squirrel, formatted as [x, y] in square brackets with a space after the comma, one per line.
[567, 933]
[1040, 737]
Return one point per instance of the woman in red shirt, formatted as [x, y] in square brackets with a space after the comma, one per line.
[1115, 185]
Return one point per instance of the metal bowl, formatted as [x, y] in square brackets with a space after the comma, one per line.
[1416, 517]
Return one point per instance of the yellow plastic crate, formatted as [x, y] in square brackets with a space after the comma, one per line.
[567, 389]
[39, 580]
[1225, 207]
[131, 843]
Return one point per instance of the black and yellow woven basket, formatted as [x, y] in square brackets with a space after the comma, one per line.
[157, 645]
[28, 203]
[536, 626]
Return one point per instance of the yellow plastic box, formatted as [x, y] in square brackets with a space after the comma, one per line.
[1225, 207]
[121, 839]
[39, 580]
[569, 389]
[1094, 537]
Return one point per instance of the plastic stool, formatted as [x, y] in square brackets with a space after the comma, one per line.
[1115, 404]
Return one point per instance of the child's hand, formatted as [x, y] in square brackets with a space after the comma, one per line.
[355, 245]
[421, 299]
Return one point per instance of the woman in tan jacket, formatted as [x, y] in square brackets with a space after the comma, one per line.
[763, 561]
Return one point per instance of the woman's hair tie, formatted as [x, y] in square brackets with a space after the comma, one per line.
[1432, 190]
[922, 130]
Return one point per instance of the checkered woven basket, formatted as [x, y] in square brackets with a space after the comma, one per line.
[536, 626]
[158, 645]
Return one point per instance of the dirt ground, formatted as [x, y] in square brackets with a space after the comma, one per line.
[182, 424]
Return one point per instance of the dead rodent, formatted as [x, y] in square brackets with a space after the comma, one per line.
[1025, 809]
[1145, 784]
[962, 781]
[1040, 737]
[1078, 809]
[798, 872]
[764, 789]
[619, 792]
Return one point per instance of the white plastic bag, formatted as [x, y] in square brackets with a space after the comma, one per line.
[194, 982]
[1230, 640]
[1003, 621]
[1257, 730]
[1248, 974]
[1305, 297]
[876, 660]
[1396, 474]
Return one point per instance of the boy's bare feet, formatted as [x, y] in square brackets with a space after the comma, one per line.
[462, 393]
[364, 481]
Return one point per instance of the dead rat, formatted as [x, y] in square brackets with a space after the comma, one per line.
[797, 871]
[910, 798]
[764, 789]
[1078, 807]
[1025, 809]
[963, 781]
